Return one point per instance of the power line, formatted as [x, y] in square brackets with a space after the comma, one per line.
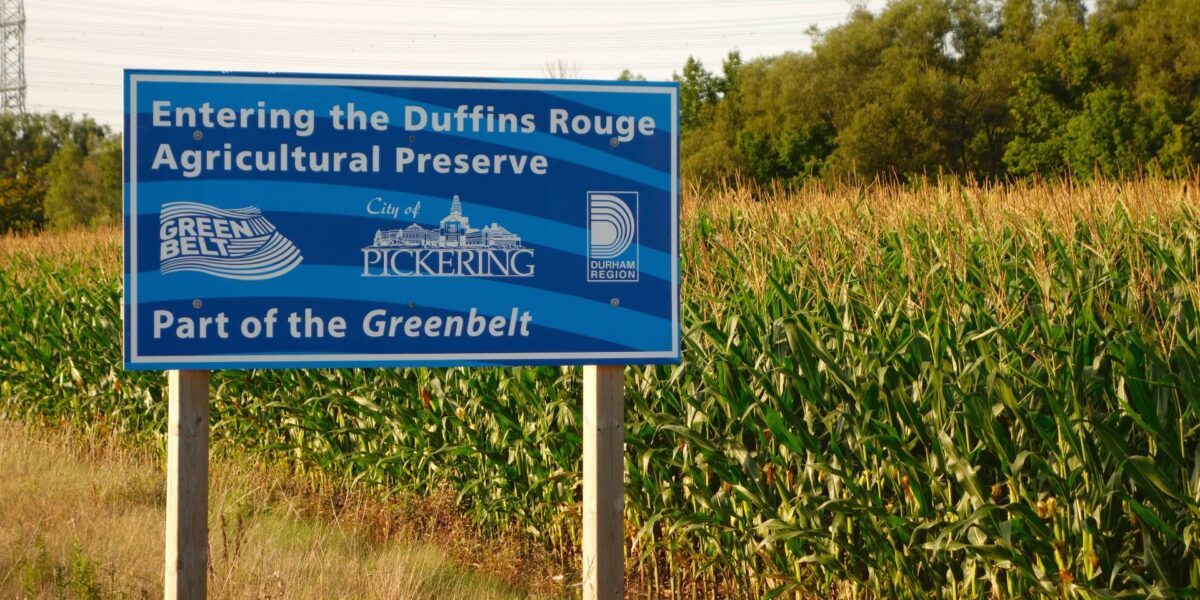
[12, 56]
[80, 46]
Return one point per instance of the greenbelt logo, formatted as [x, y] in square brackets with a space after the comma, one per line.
[230, 243]
[453, 249]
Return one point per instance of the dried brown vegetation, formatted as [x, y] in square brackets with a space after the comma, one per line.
[83, 518]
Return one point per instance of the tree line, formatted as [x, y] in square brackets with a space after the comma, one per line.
[975, 88]
[57, 171]
[989, 89]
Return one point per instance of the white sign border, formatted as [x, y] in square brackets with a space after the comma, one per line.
[134, 78]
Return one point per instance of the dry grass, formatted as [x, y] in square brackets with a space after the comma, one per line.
[84, 518]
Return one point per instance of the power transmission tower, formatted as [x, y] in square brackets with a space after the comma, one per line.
[12, 56]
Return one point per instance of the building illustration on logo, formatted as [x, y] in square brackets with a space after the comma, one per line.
[612, 237]
[235, 243]
[453, 249]
[454, 231]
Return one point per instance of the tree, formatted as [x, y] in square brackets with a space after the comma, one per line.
[985, 88]
[67, 202]
[894, 89]
[562, 69]
[28, 142]
[1041, 120]
[21, 202]
[83, 190]
[727, 84]
[627, 75]
[699, 90]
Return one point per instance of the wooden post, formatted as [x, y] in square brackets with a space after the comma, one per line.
[603, 482]
[186, 574]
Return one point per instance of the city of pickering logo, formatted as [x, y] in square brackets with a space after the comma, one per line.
[453, 249]
[231, 243]
[612, 236]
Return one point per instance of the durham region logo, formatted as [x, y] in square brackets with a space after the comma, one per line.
[235, 244]
[453, 249]
[612, 236]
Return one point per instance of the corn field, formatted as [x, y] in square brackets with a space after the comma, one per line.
[938, 390]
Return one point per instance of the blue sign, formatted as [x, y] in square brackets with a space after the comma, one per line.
[299, 220]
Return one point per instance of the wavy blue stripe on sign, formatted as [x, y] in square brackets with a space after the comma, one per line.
[601, 104]
[329, 240]
[289, 196]
[235, 95]
[625, 101]
[353, 341]
[615, 103]
[576, 315]
[562, 149]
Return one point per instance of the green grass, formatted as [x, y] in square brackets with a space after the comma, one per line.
[39, 576]
[953, 391]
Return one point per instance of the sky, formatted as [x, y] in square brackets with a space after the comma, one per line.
[75, 49]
